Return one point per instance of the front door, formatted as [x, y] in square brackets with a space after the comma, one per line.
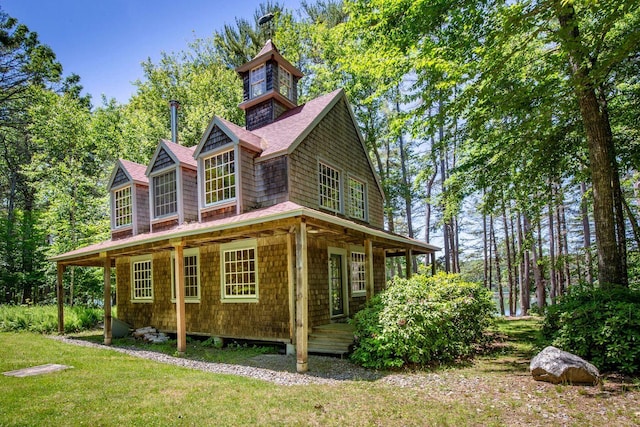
[337, 286]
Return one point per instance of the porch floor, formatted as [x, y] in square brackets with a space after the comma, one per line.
[332, 338]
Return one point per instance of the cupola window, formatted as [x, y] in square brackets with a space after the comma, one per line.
[258, 81]
[284, 82]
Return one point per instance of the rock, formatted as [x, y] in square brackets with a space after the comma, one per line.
[556, 366]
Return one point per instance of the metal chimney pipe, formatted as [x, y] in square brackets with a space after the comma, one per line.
[174, 119]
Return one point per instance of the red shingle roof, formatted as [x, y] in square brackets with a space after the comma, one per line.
[183, 154]
[244, 135]
[286, 131]
[272, 213]
[135, 170]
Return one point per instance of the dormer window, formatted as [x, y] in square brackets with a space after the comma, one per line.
[258, 81]
[284, 82]
[122, 211]
[220, 178]
[164, 194]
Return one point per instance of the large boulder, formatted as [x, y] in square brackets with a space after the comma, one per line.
[556, 366]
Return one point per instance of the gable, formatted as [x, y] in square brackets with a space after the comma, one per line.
[216, 139]
[163, 160]
[119, 178]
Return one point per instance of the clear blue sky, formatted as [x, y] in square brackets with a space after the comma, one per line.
[104, 41]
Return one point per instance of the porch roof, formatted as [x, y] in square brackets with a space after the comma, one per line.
[268, 221]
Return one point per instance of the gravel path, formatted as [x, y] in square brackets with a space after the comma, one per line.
[275, 368]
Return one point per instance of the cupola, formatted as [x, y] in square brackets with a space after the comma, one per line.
[270, 86]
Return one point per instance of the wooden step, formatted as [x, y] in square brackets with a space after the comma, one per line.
[334, 338]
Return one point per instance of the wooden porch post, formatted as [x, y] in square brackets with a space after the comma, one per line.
[107, 298]
[60, 295]
[409, 260]
[291, 276]
[433, 263]
[181, 328]
[302, 295]
[368, 271]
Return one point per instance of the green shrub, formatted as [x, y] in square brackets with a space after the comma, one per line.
[421, 321]
[44, 319]
[599, 325]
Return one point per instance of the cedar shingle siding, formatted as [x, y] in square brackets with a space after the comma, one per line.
[120, 178]
[266, 319]
[162, 161]
[216, 139]
[334, 141]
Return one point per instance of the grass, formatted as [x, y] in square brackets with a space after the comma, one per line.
[233, 353]
[109, 388]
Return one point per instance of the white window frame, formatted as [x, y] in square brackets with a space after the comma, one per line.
[137, 261]
[357, 272]
[285, 80]
[117, 216]
[233, 164]
[258, 79]
[187, 253]
[242, 245]
[328, 183]
[353, 202]
[155, 194]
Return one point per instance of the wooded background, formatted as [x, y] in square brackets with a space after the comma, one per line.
[508, 132]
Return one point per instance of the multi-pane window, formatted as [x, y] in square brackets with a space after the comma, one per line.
[284, 82]
[329, 180]
[164, 194]
[357, 193]
[142, 280]
[122, 207]
[358, 280]
[258, 81]
[191, 276]
[219, 178]
[239, 271]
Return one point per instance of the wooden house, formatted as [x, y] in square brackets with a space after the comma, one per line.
[266, 232]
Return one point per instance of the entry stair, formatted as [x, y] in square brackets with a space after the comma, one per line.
[333, 338]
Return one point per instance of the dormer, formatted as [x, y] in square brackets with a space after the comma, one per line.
[129, 194]
[270, 86]
[226, 178]
[172, 175]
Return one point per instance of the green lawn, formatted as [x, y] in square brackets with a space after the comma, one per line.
[108, 388]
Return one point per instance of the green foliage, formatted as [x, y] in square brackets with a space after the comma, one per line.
[423, 320]
[600, 325]
[44, 319]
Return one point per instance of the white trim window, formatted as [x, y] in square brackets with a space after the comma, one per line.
[258, 81]
[358, 278]
[122, 207]
[357, 199]
[329, 187]
[165, 196]
[284, 82]
[219, 178]
[191, 275]
[239, 271]
[142, 279]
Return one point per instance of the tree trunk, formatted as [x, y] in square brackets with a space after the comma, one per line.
[537, 274]
[634, 222]
[604, 172]
[552, 255]
[586, 232]
[507, 245]
[497, 261]
[524, 274]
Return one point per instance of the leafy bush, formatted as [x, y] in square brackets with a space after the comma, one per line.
[421, 321]
[44, 319]
[599, 325]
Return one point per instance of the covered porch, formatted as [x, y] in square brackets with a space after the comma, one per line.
[290, 221]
